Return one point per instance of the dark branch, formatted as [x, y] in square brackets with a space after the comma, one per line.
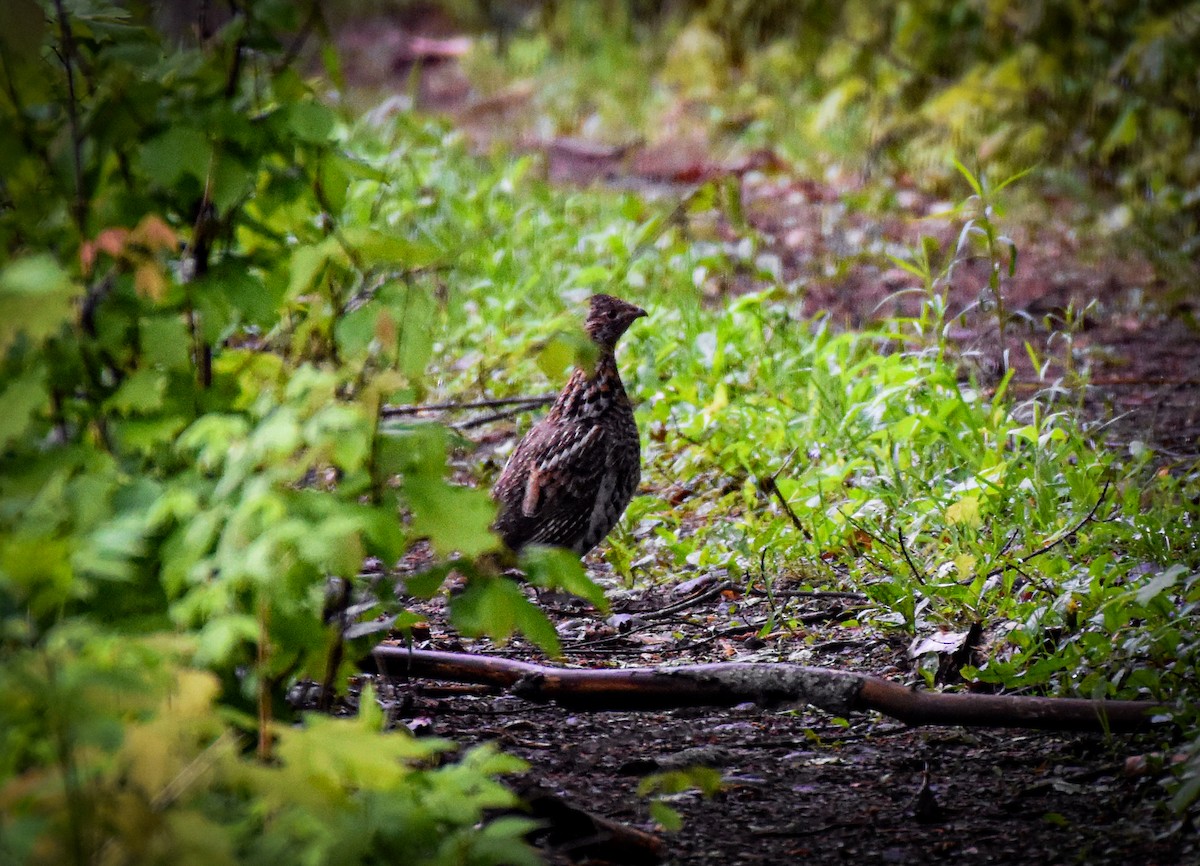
[527, 402]
[729, 684]
[68, 58]
[907, 558]
[1046, 548]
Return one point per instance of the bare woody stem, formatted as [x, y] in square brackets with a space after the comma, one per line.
[79, 204]
[722, 685]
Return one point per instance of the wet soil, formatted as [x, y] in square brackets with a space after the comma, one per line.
[796, 782]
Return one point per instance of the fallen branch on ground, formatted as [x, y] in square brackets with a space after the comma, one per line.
[727, 684]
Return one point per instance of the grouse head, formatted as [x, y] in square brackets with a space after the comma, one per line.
[609, 318]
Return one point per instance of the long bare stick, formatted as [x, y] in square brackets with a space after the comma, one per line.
[837, 692]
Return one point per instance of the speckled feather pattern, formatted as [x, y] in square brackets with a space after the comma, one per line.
[569, 480]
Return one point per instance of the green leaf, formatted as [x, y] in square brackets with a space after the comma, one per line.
[165, 342]
[964, 511]
[379, 248]
[428, 582]
[556, 568]
[38, 569]
[415, 317]
[570, 348]
[487, 606]
[971, 179]
[307, 267]
[221, 637]
[1123, 133]
[502, 840]
[22, 25]
[36, 298]
[666, 817]
[310, 121]
[23, 399]
[1160, 583]
[233, 180]
[453, 518]
[181, 150]
[413, 450]
[496, 607]
[1188, 792]
[532, 622]
[142, 392]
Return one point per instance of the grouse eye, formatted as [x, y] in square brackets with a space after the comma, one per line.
[612, 314]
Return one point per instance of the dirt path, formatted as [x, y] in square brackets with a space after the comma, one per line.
[796, 782]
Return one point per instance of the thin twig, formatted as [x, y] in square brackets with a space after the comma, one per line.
[489, 418]
[699, 598]
[857, 524]
[810, 593]
[770, 487]
[263, 751]
[1008, 543]
[239, 46]
[1046, 548]
[79, 205]
[454, 406]
[297, 44]
[907, 558]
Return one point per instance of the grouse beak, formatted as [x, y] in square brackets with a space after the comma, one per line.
[639, 313]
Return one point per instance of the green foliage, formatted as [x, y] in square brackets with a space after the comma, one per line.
[660, 787]
[129, 760]
[1093, 92]
[201, 321]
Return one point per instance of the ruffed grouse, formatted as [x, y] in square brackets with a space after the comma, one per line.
[569, 480]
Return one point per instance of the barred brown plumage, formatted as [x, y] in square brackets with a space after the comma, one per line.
[568, 481]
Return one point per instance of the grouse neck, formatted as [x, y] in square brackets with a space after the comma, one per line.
[586, 396]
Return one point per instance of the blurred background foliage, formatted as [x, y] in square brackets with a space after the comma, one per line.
[1099, 95]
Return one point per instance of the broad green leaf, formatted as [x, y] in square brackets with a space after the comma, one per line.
[23, 399]
[141, 393]
[357, 330]
[308, 264]
[36, 298]
[1160, 583]
[37, 570]
[497, 607]
[233, 180]
[487, 606]
[665, 816]
[413, 450]
[414, 311]
[181, 150]
[426, 583]
[453, 518]
[965, 511]
[379, 248]
[557, 568]
[310, 121]
[566, 349]
[166, 342]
